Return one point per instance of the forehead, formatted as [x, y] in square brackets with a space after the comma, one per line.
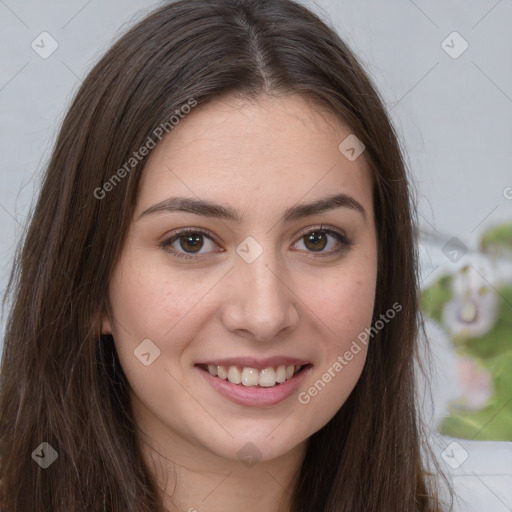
[268, 151]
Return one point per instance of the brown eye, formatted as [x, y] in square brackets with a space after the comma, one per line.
[316, 240]
[324, 242]
[189, 243]
[192, 242]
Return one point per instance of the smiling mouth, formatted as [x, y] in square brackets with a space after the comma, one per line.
[252, 377]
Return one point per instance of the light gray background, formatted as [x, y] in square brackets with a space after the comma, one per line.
[453, 116]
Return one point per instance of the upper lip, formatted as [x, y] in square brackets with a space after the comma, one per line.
[258, 364]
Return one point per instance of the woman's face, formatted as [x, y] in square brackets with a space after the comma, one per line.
[240, 256]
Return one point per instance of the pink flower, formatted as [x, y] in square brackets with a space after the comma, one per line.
[476, 384]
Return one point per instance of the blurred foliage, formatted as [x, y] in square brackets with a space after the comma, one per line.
[491, 351]
[498, 236]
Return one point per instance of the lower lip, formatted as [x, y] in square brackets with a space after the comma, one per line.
[255, 396]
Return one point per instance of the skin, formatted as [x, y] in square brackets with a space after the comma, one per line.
[259, 158]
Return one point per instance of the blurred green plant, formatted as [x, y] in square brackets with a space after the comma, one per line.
[477, 316]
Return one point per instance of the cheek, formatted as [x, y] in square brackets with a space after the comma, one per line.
[344, 308]
[148, 304]
[347, 312]
[146, 310]
[343, 304]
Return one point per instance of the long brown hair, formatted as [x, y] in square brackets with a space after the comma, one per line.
[61, 381]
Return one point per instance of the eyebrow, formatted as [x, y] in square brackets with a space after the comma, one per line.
[210, 209]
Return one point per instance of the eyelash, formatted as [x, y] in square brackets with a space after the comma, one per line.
[344, 242]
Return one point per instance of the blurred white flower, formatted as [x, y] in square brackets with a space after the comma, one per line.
[473, 310]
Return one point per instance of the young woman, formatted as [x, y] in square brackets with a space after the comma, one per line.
[215, 305]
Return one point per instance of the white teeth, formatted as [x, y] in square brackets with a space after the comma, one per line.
[222, 372]
[250, 377]
[281, 374]
[267, 378]
[234, 375]
[247, 376]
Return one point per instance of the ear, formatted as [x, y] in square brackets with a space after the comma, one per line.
[106, 328]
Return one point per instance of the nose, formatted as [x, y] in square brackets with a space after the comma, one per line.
[261, 304]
